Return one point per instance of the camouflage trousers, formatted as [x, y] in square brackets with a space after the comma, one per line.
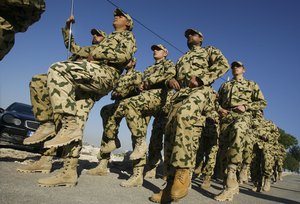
[7, 37]
[278, 165]
[208, 148]
[65, 79]
[184, 126]
[42, 110]
[262, 162]
[156, 139]
[235, 140]
[111, 117]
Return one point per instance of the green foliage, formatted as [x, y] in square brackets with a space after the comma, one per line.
[291, 163]
[286, 139]
[295, 152]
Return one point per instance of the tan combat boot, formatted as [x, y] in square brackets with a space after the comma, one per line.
[45, 131]
[43, 165]
[65, 177]
[280, 176]
[182, 182]
[164, 196]
[206, 182]
[69, 132]
[267, 184]
[140, 149]
[100, 170]
[232, 186]
[243, 178]
[111, 146]
[136, 179]
[151, 173]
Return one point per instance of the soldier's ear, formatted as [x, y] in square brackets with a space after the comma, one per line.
[166, 53]
[128, 24]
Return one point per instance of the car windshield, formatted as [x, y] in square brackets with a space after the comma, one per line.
[20, 108]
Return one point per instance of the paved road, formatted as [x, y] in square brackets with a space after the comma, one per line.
[17, 188]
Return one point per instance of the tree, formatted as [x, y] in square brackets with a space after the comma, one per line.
[286, 139]
[295, 152]
[291, 163]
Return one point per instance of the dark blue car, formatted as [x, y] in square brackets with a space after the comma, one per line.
[16, 123]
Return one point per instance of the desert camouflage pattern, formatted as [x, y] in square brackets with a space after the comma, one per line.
[42, 111]
[78, 52]
[17, 16]
[235, 127]
[97, 77]
[156, 139]
[125, 88]
[267, 134]
[149, 101]
[279, 156]
[127, 85]
[190, 106]
[208, 148]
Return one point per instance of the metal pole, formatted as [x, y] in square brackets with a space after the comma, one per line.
[70, 31]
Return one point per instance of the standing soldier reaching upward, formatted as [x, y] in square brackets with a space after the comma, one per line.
[238, 99]
[195, 72]
[40, 101]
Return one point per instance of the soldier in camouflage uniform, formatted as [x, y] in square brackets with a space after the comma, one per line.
[267, 134]
[95, 76]
[279, 156]
[138, 109]
[16, 16]
[238, 98]
[126, 87]
[151, 102]
[40, 101]
[208, 147]
[195, 72]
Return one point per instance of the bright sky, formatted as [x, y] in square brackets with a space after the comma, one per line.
[264, 35]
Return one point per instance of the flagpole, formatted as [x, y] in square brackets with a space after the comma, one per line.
[70, 30]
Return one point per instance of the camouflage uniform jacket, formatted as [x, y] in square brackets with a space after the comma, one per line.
[156, 74]
[22, 13]
[127, 85]
[245, 92]
[77, 51]
[279, 151]
[265, 128]
[207, 64]
[115, 50]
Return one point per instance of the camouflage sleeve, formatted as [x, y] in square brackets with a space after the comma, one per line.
[218, 66]
[258, 99]
[168, 73]
[66, 35]
[221, 96]
[122, 53]
[275, 133]
[127, 84]
[75, 49]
